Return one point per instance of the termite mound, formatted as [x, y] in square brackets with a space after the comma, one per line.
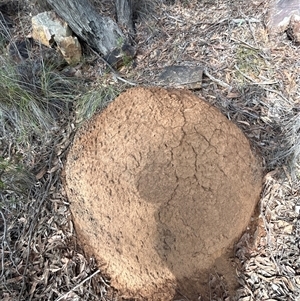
[161, 185]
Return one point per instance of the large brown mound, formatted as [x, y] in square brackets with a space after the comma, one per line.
[161, 185]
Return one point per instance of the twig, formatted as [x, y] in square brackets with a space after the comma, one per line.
[263, 83]
[219, 82]
[253, 82]
[34, 223]
[76, 286]
[268, 193]
[115, 73]
[278, 93]
[245, 75]
[251, 29]
[3, 242]
[243, 42]
[176, 19]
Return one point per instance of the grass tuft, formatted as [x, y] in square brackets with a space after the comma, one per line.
[14, 177]
[87, 105]
[32, 100]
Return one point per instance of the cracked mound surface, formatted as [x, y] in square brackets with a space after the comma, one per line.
[161, 185]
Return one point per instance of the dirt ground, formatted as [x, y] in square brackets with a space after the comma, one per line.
[252, 76]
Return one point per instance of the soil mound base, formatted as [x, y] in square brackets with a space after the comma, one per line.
[161, 185]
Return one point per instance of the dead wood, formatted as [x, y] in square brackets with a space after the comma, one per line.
[124, 14]
[100, 32]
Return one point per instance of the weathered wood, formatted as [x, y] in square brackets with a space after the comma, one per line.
[124, 14]
[100, 32]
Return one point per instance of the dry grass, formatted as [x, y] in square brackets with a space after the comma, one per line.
[251, 76]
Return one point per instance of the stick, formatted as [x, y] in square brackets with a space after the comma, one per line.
[112, 69]
[76, 286]
[219, 82]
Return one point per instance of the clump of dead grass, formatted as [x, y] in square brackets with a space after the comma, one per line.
[40, 109]
[94, 100]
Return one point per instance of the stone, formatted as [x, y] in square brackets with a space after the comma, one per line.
[293, 29]
[48, 29]
[161, 185]
[189, 77]
[280, 14]
[70, 48]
